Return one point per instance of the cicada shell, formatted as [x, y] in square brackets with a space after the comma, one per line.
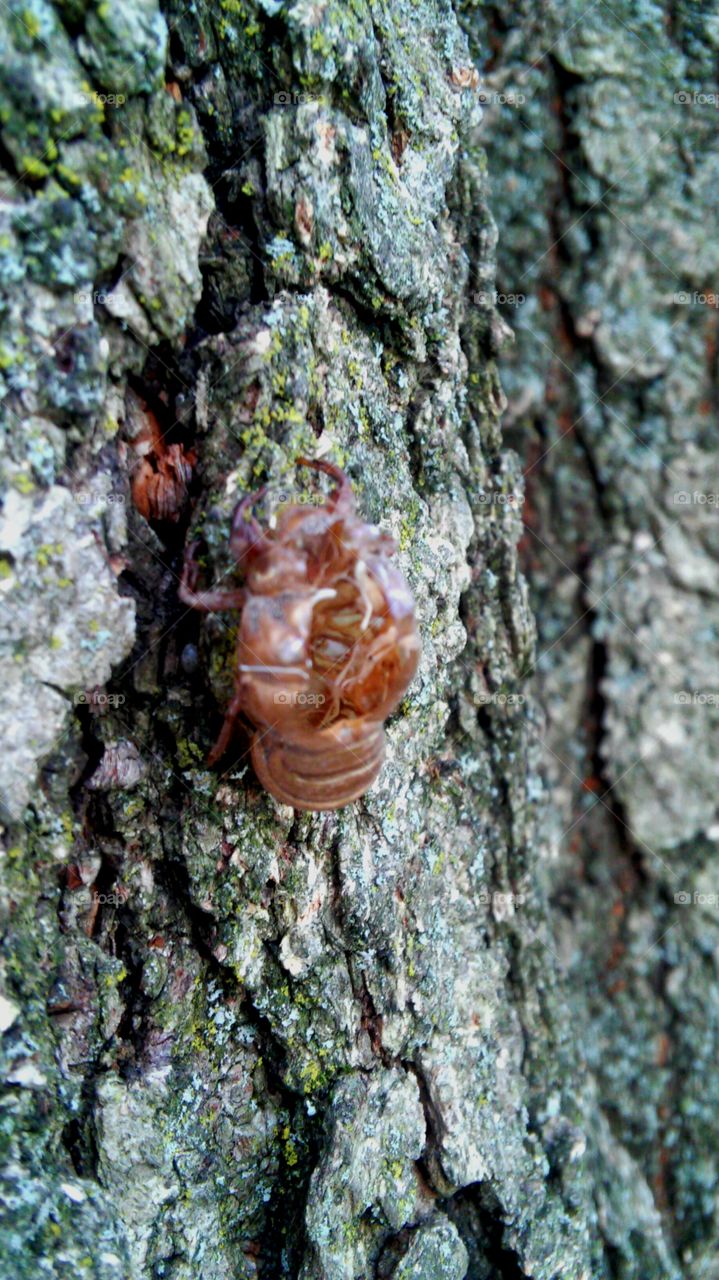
[327, 645]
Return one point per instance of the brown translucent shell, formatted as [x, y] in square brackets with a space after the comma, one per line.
[327, 645]
[162, 472]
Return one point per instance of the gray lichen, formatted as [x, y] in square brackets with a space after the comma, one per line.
[63, 626]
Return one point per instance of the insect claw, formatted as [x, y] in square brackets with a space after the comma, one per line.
[207, 601]
[226, 732]
[249, 500]
[246, 534]
[190, 567]
[343, 493]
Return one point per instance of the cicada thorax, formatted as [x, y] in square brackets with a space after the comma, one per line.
[362, 645]
[277, 686]
[341, 645]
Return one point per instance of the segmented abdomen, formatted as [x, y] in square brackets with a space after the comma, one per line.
[326, 770]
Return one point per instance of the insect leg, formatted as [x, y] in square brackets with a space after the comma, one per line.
[227, 730]
[245, 535]
[207, 601]
[342, 495]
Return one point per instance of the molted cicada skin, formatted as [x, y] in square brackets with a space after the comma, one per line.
[327, 645]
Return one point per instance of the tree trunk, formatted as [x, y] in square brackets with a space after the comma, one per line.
[434, 1034]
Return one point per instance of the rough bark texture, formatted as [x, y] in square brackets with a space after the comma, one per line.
[435, 1034]
[605, 192]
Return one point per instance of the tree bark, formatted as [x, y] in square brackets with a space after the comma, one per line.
[432, 1034]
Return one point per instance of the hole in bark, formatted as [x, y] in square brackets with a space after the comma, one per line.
[475, 1212]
